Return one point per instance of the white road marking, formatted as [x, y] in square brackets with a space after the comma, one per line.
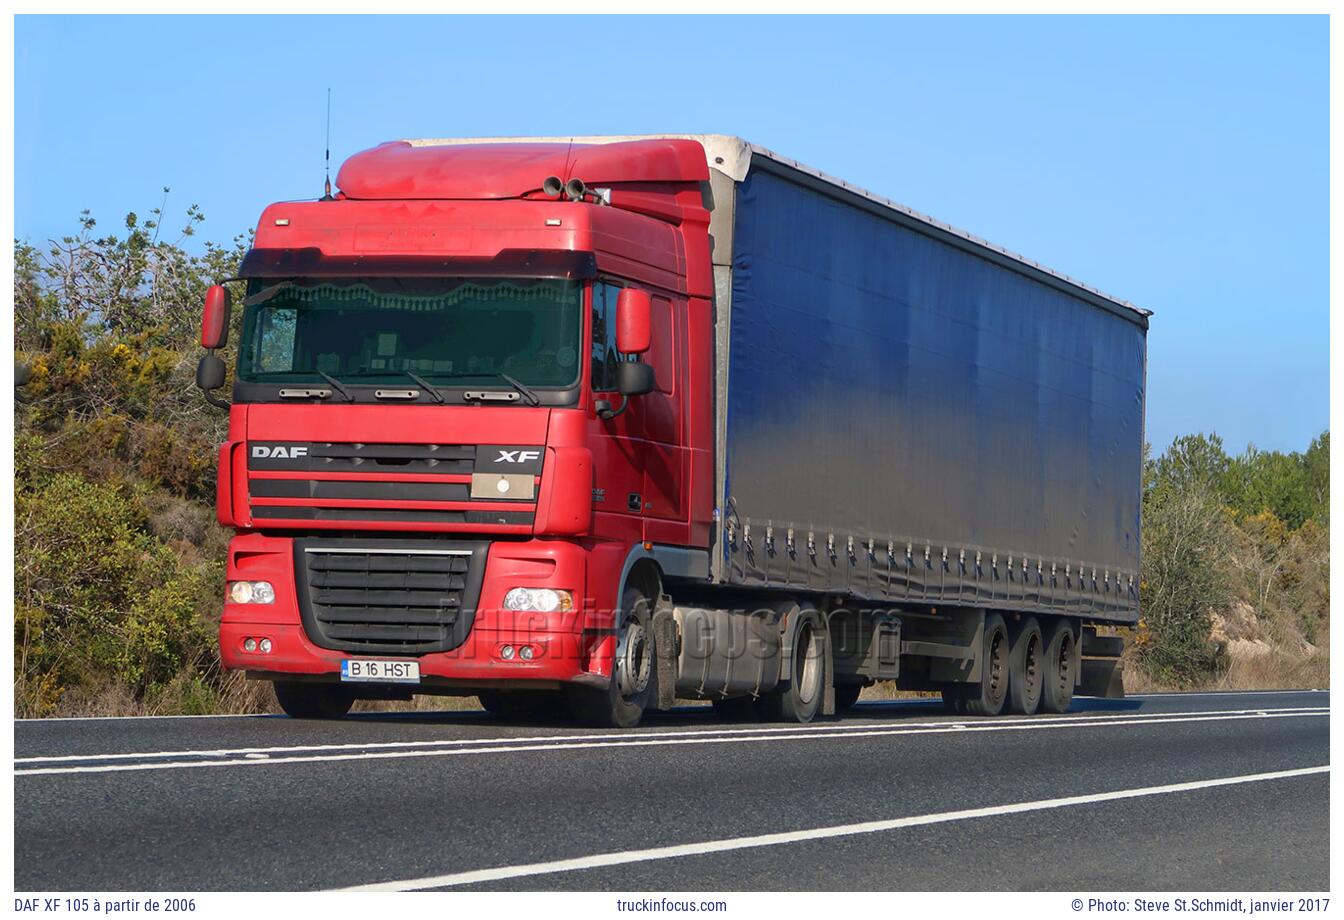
[713, 736]
[601, 860]
[1223, 693]
[469, 712]
[212, 715]
[630, 736]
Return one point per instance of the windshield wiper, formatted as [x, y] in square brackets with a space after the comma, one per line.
[532, 398]
[426, 386]
[523, 389]
[336, 384]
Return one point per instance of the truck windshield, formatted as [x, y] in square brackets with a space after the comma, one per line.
[449, 331]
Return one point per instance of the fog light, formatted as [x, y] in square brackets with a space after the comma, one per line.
[265, 645]
[526, 653]
[251, 592]
[542, 600]
[249, 645]
[507, 653]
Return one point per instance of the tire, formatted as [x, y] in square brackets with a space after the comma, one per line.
[634, 674]
[736, 709]
[987, 698]
[1058, 678]
[520, 704]
[1026, 668]
[846, 695]
[800, 699]
[313, 701]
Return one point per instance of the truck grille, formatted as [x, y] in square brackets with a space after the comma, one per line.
[328, 482]
[388, 596]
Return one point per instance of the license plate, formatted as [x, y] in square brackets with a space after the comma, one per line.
[399, 672]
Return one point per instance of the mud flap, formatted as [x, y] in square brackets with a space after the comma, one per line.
[665, 648]
[828, 677]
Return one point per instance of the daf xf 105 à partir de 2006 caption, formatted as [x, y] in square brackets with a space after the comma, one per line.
[595, 424]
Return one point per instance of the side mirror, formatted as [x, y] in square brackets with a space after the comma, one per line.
[209, 377]
[634, 378]
[215, 319]
[634, 321]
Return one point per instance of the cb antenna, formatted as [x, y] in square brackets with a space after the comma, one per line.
[326, 188]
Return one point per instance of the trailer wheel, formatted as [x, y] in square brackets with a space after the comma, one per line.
[800, 699]
[1058, 678]
[313, 701]
[520, 704]
[1026, 667]
[846, 695]
[634, 674]
[988, 697]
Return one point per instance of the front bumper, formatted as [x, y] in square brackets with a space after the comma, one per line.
[564, 650]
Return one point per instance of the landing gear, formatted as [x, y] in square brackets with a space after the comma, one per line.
[634, 678]
[312, 700]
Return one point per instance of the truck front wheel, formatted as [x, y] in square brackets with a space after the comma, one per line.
[634, 675]
[313, 701]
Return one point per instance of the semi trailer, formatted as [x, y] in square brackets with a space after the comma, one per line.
[597, 424]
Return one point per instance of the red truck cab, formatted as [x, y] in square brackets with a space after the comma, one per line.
[471, 423]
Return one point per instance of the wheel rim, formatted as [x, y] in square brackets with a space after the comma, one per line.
[805, 665]
[634, 663]
[1064, 665]
[997, 685]
[1032, 665]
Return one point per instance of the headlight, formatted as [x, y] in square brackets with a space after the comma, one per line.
[251, 592]
[543, 600]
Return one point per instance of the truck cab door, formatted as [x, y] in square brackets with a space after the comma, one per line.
[639, 454]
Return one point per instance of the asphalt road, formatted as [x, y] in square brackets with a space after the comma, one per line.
[1170, 792]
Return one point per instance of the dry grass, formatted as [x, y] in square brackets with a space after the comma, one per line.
[1275, 671]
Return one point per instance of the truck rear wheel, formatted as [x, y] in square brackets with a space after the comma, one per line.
[634, 675]
[1058, 677]
[800, 699]
[987, 698]
[313, 701]
[1026, 668]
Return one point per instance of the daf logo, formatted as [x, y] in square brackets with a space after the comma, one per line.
[278, 452]
[517, 456]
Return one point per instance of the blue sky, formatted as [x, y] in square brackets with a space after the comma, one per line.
[1181, 163]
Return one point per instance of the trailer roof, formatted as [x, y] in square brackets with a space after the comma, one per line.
[733, 157]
